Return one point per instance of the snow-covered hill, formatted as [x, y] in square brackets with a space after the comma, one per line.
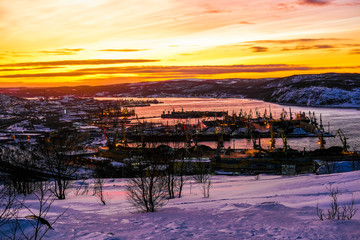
[318, 96]
[239, 207]
[330, 89]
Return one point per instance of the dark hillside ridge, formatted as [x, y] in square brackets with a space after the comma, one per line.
[340, 89]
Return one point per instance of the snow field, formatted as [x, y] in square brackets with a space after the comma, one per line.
[239, 207]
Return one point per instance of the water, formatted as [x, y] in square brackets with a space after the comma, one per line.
[348, 120]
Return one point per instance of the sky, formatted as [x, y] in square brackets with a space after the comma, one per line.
[47, 43]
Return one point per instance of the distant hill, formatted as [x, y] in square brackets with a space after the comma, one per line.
[329, 89]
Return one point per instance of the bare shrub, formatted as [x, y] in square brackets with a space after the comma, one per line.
[319, 212]
[201, 175]
[348, 210]
[345, 212]
[82, 188]
[201, 171]
[206, 185]
[181, 178]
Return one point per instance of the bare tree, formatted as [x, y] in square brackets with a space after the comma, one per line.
[202, 175]
[181, 168]
[59, 153]
[171, 179]
[22, 169]
[99, 191]
[39, 222]
[201, 169]
[9, 205]
[175, 168]
[147, 185]
[167, 158]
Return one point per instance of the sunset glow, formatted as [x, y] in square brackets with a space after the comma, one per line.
[98, 42]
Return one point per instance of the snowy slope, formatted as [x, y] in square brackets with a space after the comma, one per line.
[239, 207]
[331, 89]
[318, 96]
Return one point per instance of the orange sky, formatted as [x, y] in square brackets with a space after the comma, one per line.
[96, 42]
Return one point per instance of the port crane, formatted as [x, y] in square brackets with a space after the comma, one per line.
[343, 140]
[140, 131]
[320, 135]
[272, 140]
[283, 115]
[283, 137]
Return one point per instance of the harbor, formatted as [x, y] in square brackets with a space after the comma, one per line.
[274, 144]
[236, 136]
[330, 122]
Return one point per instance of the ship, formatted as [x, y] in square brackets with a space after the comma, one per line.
[192, 114]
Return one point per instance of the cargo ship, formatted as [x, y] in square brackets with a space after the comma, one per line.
[192, 114]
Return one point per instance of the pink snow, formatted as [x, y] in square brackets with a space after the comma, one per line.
[239, 207]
